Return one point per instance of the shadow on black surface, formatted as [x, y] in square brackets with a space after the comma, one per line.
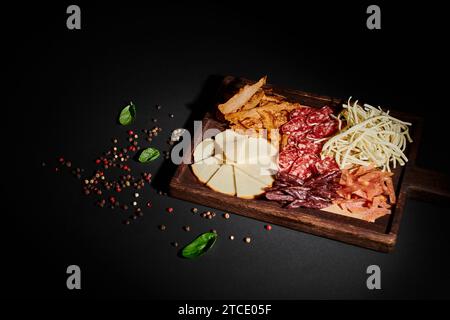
[206, 99]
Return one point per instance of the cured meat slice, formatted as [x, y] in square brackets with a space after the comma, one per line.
[279, 196]
[324, 179]
[316, 117]
[326, 110]
[300, 112]
[304, 167]
[295, 124]
[326, 165]
[325, 129]
[296, 137]
[316, 192]
[298, 192]
[287, 157]
[307, 147]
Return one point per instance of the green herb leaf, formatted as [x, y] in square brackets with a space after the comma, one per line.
[127, 114]
[200, 245]
[148, 155]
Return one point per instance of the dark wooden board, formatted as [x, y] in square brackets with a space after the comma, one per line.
[380, 235]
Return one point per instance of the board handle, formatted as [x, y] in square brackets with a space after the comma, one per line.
[428, 185]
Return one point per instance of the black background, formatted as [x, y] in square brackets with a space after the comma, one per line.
[65, 88]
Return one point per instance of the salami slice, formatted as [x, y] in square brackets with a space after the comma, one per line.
[308, 147]
[325, 129]
[326, 110]
[298, 137]
[300, 112]
[304, 166]
[326, 165]
[295, 124]
[286, 158]
[315, 117]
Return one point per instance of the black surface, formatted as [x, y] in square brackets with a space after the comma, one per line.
[65, 89]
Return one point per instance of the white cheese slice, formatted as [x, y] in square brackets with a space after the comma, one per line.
[216, 159]
[204, 170]
[247, 187]
[257, 172]
[227, 143]
[260, 148]
[241, 150]
[223, 180]
[221, 138]
[204, 149]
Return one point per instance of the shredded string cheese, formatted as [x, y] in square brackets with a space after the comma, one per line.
[370, 135]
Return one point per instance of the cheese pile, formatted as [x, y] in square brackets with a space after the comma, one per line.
[235, 164]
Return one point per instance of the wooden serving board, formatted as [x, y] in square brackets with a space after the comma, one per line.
[380, 235]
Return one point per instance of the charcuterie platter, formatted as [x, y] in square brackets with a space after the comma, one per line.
[331, 167]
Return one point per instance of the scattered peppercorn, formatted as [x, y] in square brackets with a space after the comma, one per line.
[231, 237]
[162, 227]
[175, 244]
[268, 227]
[194, 210]
[187, 228]
[247, 239]
[169, 210]
[226, 216]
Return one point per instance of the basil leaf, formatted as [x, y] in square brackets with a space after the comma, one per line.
[148, 155]
[200, 245]
[127, 114]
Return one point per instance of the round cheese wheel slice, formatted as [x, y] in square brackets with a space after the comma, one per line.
[247, 187]
[204, 170]
[204, 149]
[223, 180]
